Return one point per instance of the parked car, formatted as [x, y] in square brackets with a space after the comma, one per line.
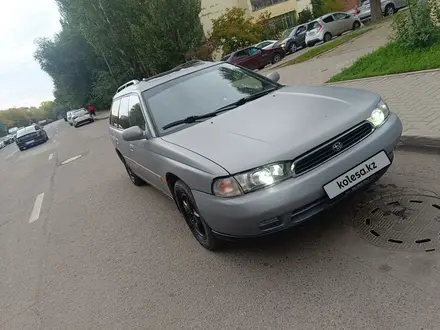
[293, 39]
[81, 117]
[388, 7]
[328, 26]
[72, 115]
[30, 136]
[266, 44]
[9, 139]
[2, 144]
[255, 58]
[247, 156]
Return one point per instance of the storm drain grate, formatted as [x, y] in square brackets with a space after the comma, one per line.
[404, 222]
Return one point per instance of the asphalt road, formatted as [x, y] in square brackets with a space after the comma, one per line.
[104, 254]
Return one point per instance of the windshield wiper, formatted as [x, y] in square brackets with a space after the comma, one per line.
[239, 102]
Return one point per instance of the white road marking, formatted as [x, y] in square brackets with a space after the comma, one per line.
[37, 208]
[71, 160]
[51, 156]
[11, 154]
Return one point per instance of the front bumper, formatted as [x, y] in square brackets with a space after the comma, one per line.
[82, 121]
[295, 200]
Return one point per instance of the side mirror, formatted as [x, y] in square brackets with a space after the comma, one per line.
[274, 76]
[133, 133]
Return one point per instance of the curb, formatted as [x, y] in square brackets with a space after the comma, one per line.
[102, 118]
[419, 142]
[387, 76]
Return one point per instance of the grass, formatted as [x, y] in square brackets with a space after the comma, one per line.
[391, 59]
[315, 51]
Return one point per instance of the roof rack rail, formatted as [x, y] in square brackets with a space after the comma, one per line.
[131, 82]
[175, 69]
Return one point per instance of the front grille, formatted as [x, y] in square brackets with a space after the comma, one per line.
[330, 149]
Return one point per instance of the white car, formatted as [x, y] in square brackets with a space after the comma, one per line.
[2, 144]
[266, 44]
[328, 26]
[81, 117]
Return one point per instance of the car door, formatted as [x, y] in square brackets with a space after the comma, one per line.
[142, 153]
[342, 22]
[114, 118]
[331, 25]
[241, 57]
[300, 35]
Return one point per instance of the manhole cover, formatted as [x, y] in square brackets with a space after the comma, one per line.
[404, 222]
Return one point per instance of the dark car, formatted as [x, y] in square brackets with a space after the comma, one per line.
[255, 58]
[293, 39]
[30, 136]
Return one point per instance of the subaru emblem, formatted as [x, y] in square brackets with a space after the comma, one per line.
[337, 146]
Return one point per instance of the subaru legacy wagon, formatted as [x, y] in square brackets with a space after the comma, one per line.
[243, 155]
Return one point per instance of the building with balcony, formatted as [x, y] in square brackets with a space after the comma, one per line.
[281, 10]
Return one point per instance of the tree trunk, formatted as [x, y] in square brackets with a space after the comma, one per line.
[376, 11]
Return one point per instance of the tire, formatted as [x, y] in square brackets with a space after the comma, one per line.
[310, 44]
[327, 37]
[356, 25]
[75, 126]
[276, 58]
[292, 48]
[390, 10]
[46, 138]
[196, 224]
[21, 149]
[137, 181]
[70, 124]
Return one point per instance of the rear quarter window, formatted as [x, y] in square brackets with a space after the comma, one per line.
[328, 19]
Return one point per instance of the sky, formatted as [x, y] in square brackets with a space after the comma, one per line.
[22, 82]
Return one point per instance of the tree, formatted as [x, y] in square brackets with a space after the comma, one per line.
[232, 30]
[333, 5]
[318, 8]
[305, 16]
[376, 11]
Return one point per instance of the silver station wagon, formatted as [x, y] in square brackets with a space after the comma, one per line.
[242, 155]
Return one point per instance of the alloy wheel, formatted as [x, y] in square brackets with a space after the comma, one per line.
[192, 217]
[293, 48]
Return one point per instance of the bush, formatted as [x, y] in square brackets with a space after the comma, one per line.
[305, 16]
[416, 28]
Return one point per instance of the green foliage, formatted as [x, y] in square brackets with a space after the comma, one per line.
[416, 28]
[305, 16]
[333, 5]
[318, 8]
[233, 30]
[392, 58]
[104, 43]
[16, 117]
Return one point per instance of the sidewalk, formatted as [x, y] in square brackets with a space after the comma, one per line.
[102, 115]
[415, 97]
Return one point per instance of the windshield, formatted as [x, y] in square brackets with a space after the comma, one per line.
[286, 33]
[202, 92]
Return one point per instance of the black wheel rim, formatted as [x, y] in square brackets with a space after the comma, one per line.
[276, 58]
[130, 174]
[192, 217]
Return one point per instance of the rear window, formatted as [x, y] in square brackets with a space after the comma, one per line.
[26, 130]
[312, 25]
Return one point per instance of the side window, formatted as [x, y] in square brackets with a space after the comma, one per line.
[328, 19]
[135, 116]
[300, 30]
[339, 16]
[115, 113]
[123, 113]
[253, 51]
[240, 55]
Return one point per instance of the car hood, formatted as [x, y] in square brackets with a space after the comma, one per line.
[279, 126]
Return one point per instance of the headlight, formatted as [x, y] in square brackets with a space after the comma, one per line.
[255, 179]
[379, 115]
